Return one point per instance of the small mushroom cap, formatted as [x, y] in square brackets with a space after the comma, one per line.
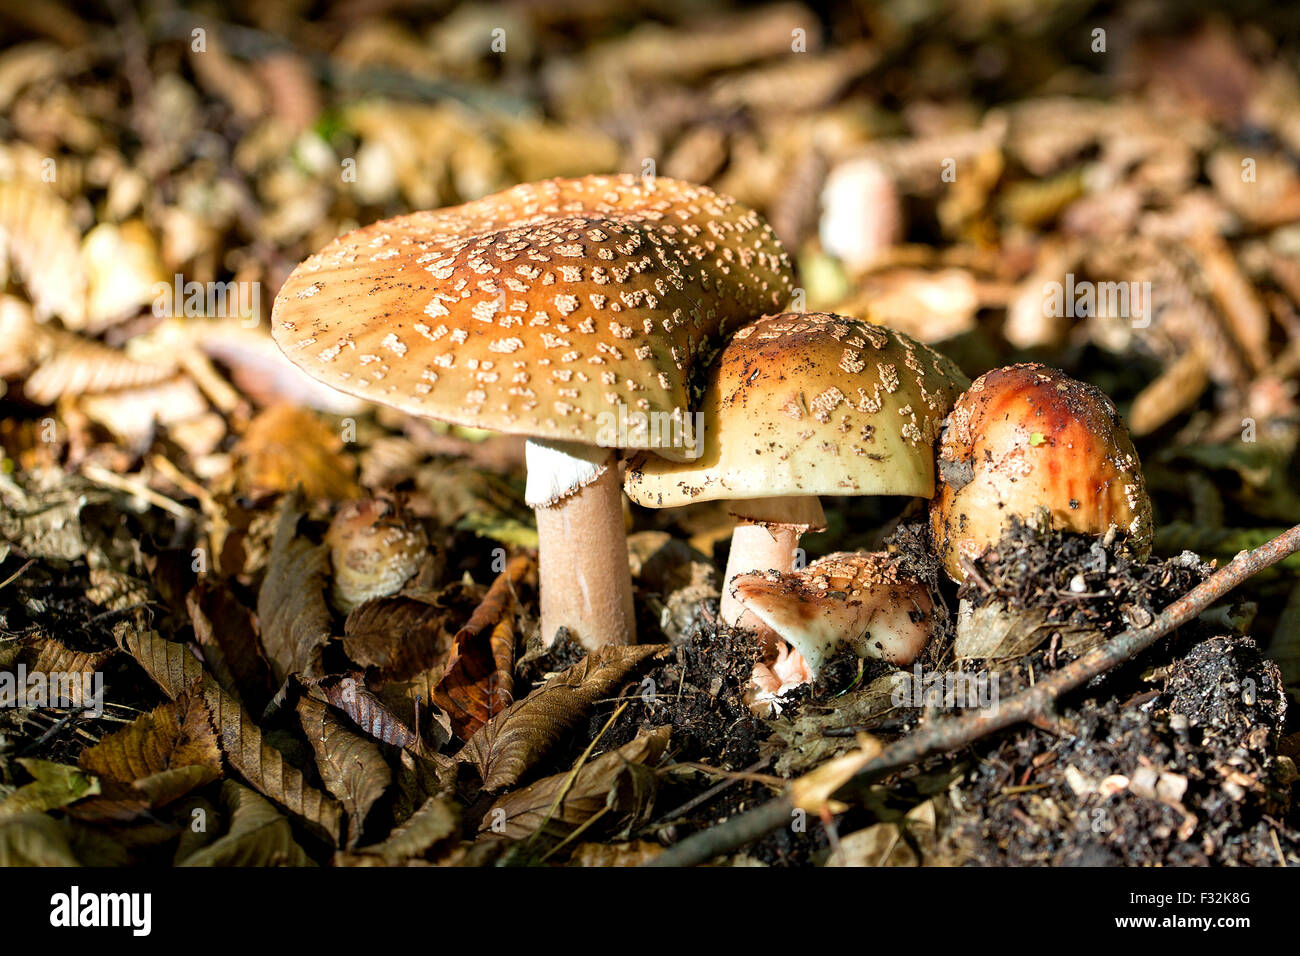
[534, 310]
[1028, 439]
[811, 404]
[373, 552]
[853, 599]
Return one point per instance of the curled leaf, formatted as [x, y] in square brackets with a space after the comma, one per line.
[479, 681]
[436, 820]
[291, 602]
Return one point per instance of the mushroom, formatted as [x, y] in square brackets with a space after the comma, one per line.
[800, 405]
[373, 552]
[1027, 441]
[850, 599]
[560, 311]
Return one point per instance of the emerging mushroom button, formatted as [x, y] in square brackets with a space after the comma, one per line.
[1026, 441]
[800, 405]
[854, 600]
[555, 310]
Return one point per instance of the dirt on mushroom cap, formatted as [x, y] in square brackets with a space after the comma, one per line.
[1027, 438]
[534, 310]
[811, 404]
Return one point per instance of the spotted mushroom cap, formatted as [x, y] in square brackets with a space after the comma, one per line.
[374, 550]
[811, 404]
[855, 599]
[534, 310]
[1027, 440]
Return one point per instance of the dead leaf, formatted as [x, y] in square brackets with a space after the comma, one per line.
[174, 668]
[367, 711]
[506, 746]
[258, 835]
[286, 447]
[291, 603]
[351, 767]
[54, 785]
[227, 633]
[156, 759]
[34, 839]
[479, 680]
[405, 633]
[619, 781]
[436, 820]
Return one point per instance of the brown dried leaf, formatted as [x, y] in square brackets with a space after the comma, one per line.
[286, 447]
[618, 780]
[351, 766]
[258, 835]
[291, 603]
[367, 711]
[402, 634]
[479, 681]
[506, 746]
[174, 668]
[157, 758]
[227, 632]
[436, 820]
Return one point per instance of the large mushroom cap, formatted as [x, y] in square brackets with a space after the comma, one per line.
[1027, 440]
[536, 309]
[811, 404]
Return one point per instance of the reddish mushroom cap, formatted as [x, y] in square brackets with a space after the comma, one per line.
[1027, 440]
[534, 310]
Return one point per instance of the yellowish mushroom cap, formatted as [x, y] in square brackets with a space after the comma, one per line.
[811, 404]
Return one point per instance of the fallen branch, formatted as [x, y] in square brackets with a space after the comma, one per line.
[1034, 704]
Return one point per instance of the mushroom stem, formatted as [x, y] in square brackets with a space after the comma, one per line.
[765, 539]
[583, 573]
[756, 547]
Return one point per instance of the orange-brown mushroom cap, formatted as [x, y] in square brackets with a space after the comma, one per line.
[1027, 440]
[534, 310]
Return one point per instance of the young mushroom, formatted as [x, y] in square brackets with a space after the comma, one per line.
[1027, 441]
[800, 405]
[373, 552]
[552, 310]
[850, 599]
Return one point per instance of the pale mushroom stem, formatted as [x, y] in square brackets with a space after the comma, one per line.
[756, 547]
[766, 538]
[583, 573]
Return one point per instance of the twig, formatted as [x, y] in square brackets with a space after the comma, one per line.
[1032, 703]
[17, 574]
